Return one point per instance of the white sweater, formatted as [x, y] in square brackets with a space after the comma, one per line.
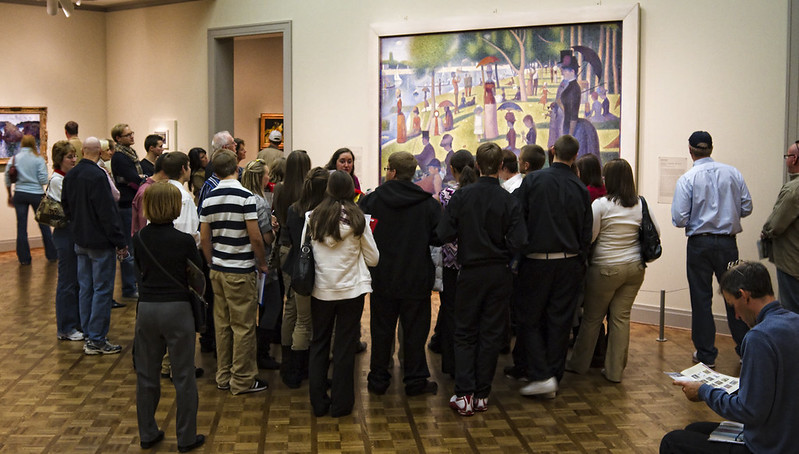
[341, 266]
[615, 231]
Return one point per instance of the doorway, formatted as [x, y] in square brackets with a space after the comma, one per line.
[225, 86]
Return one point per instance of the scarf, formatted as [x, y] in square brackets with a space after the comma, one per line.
[129, 152]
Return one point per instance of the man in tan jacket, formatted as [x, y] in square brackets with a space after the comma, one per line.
[782, 227]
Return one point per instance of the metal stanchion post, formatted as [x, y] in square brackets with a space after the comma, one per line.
[662, 337]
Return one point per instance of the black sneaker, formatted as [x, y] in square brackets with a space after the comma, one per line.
[116, 304]
[197, 443]
[376, 389]
[149, 444]
[257, 385]
[101, 348]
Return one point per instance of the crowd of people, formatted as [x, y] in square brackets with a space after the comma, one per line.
[524, 249]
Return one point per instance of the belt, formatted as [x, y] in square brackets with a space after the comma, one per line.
[550, 255]
[726, 235]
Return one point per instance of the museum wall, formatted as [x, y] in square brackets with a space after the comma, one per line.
[713, 65]
[57, 63]
[157, 72]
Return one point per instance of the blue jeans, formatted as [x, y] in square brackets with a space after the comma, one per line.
[789, 291]
[67, 309]
[127, 268]
[708, 255]
[96, 282]
[23, 200]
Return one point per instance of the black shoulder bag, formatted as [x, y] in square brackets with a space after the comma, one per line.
[302, 276]
[195, 286]
[648, 236]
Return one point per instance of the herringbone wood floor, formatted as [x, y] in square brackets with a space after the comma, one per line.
[54, 399]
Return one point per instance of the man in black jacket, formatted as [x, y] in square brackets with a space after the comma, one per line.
[406, 218]
[95, 226]
[557, 209]
[128, 175]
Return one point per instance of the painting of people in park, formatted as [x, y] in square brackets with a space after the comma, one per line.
[443, 92]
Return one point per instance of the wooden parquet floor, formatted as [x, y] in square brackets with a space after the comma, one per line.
[55, 399]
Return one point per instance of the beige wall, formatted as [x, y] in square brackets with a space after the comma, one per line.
[57, 63]
[714, 65]
[257, 86]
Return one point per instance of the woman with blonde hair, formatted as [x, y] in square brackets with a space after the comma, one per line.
[615, 273]
[164, 318]
[255, 178]
[28, 192]
[343, 248]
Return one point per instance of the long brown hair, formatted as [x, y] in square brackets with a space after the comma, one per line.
[288, 191]
[313, 190]
[326, 217]
[620, 184]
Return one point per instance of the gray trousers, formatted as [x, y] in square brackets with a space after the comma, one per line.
[162, 326]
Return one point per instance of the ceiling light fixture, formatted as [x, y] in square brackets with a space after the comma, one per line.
[66, 6]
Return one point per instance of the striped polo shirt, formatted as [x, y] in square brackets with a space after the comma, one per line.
[226, 209]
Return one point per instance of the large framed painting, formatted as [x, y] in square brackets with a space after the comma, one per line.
[16, 122]
[270, 122]
[513, 80]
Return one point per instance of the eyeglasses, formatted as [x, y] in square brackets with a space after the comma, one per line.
[789, 156]
[127, 135]
[387, 169]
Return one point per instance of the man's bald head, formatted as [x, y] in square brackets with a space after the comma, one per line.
[91, 148]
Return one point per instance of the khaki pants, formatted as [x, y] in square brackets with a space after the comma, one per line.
[296, 329]
[609, 290]
[234, 319]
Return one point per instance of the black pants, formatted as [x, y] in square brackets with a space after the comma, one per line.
[693, 439]
[481, 317]
[517, 303]
[346, 316]
[546, 317]
[415, 317]
[446, 320]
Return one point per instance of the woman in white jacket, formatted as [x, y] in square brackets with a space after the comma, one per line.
[343, 248]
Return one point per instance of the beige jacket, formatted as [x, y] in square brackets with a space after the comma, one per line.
[782, 226]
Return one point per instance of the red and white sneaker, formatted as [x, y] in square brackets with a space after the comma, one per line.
[480, 403]
[462, 404]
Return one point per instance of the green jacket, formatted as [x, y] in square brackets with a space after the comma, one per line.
[782, 226]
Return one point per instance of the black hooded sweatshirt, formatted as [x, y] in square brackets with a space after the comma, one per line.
[406, 218]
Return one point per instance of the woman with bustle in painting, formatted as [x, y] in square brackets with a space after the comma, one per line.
[401, 128]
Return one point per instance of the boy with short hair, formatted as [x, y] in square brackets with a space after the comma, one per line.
[232, 243]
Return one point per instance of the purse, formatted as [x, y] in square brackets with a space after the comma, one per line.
[11, 171]
[648, 236]
[195, 285]
[51, 212]
[302, 276]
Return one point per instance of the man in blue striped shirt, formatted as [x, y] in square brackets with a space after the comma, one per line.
[232, 243]
[709, 201]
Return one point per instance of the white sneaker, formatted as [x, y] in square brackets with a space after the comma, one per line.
[463, 404]
[534, 388]
[75, 335]
[480, 404]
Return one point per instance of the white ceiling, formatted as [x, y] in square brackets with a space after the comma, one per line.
[103, 5]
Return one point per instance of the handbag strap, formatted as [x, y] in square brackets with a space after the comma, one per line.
[644, 207]
[158, 264]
